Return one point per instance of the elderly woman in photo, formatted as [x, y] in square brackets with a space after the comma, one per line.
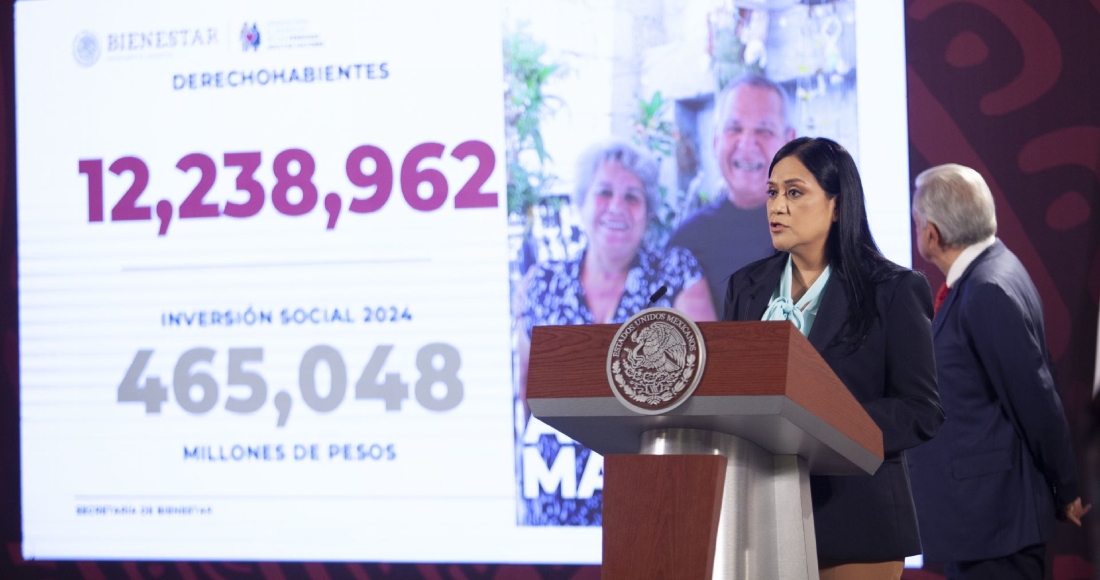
[610, 281]
[617, 195]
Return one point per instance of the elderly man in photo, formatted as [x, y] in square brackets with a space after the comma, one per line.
[988, 487]
[750, 125]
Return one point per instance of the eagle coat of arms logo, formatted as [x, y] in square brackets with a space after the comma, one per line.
[655, 360]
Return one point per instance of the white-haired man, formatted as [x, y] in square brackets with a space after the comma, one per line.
[750, 125]
[988, 487]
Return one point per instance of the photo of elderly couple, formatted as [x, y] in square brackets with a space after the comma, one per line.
[639, 161]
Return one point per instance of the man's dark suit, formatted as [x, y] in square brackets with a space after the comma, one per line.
[988, 485]
[893, 375]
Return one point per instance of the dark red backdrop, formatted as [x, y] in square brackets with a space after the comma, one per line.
[1008, 87]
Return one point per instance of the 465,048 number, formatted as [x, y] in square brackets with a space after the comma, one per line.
[196, 390]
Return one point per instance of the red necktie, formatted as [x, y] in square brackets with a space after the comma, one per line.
[941, 294]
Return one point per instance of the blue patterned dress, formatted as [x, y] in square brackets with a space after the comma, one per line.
[555, 296]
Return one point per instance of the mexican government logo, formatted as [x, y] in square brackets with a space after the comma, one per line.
[656, 360]
[86, 48]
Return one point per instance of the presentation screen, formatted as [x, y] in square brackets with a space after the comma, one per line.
[279, 261]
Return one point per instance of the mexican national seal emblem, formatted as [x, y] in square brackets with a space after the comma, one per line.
[86, 48]
[655, 360]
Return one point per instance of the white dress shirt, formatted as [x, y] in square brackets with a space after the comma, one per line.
[964, 260]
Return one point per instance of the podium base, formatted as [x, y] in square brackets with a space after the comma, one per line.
[766, 525]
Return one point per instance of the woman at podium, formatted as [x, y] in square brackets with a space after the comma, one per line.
[870, 319]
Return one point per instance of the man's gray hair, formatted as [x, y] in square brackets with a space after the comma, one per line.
[643, 165]
[958, 201]
[722, 101]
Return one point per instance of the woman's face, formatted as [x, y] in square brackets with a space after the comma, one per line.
[614, 210]
[799, 212]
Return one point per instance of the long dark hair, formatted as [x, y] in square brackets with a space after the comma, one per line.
[855, 258]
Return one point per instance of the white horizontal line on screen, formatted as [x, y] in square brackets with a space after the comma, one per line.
[274, 264]
[291, 497]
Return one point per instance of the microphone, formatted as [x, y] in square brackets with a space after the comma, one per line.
[657, 295]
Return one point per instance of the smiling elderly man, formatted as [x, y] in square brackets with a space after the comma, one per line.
[750, 125]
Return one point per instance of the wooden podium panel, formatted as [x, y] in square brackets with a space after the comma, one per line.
[763, 381]
[660, 516]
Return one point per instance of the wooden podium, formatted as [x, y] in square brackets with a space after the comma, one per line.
[718, 487]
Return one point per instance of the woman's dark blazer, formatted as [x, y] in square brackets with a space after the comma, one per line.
[893, 375]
